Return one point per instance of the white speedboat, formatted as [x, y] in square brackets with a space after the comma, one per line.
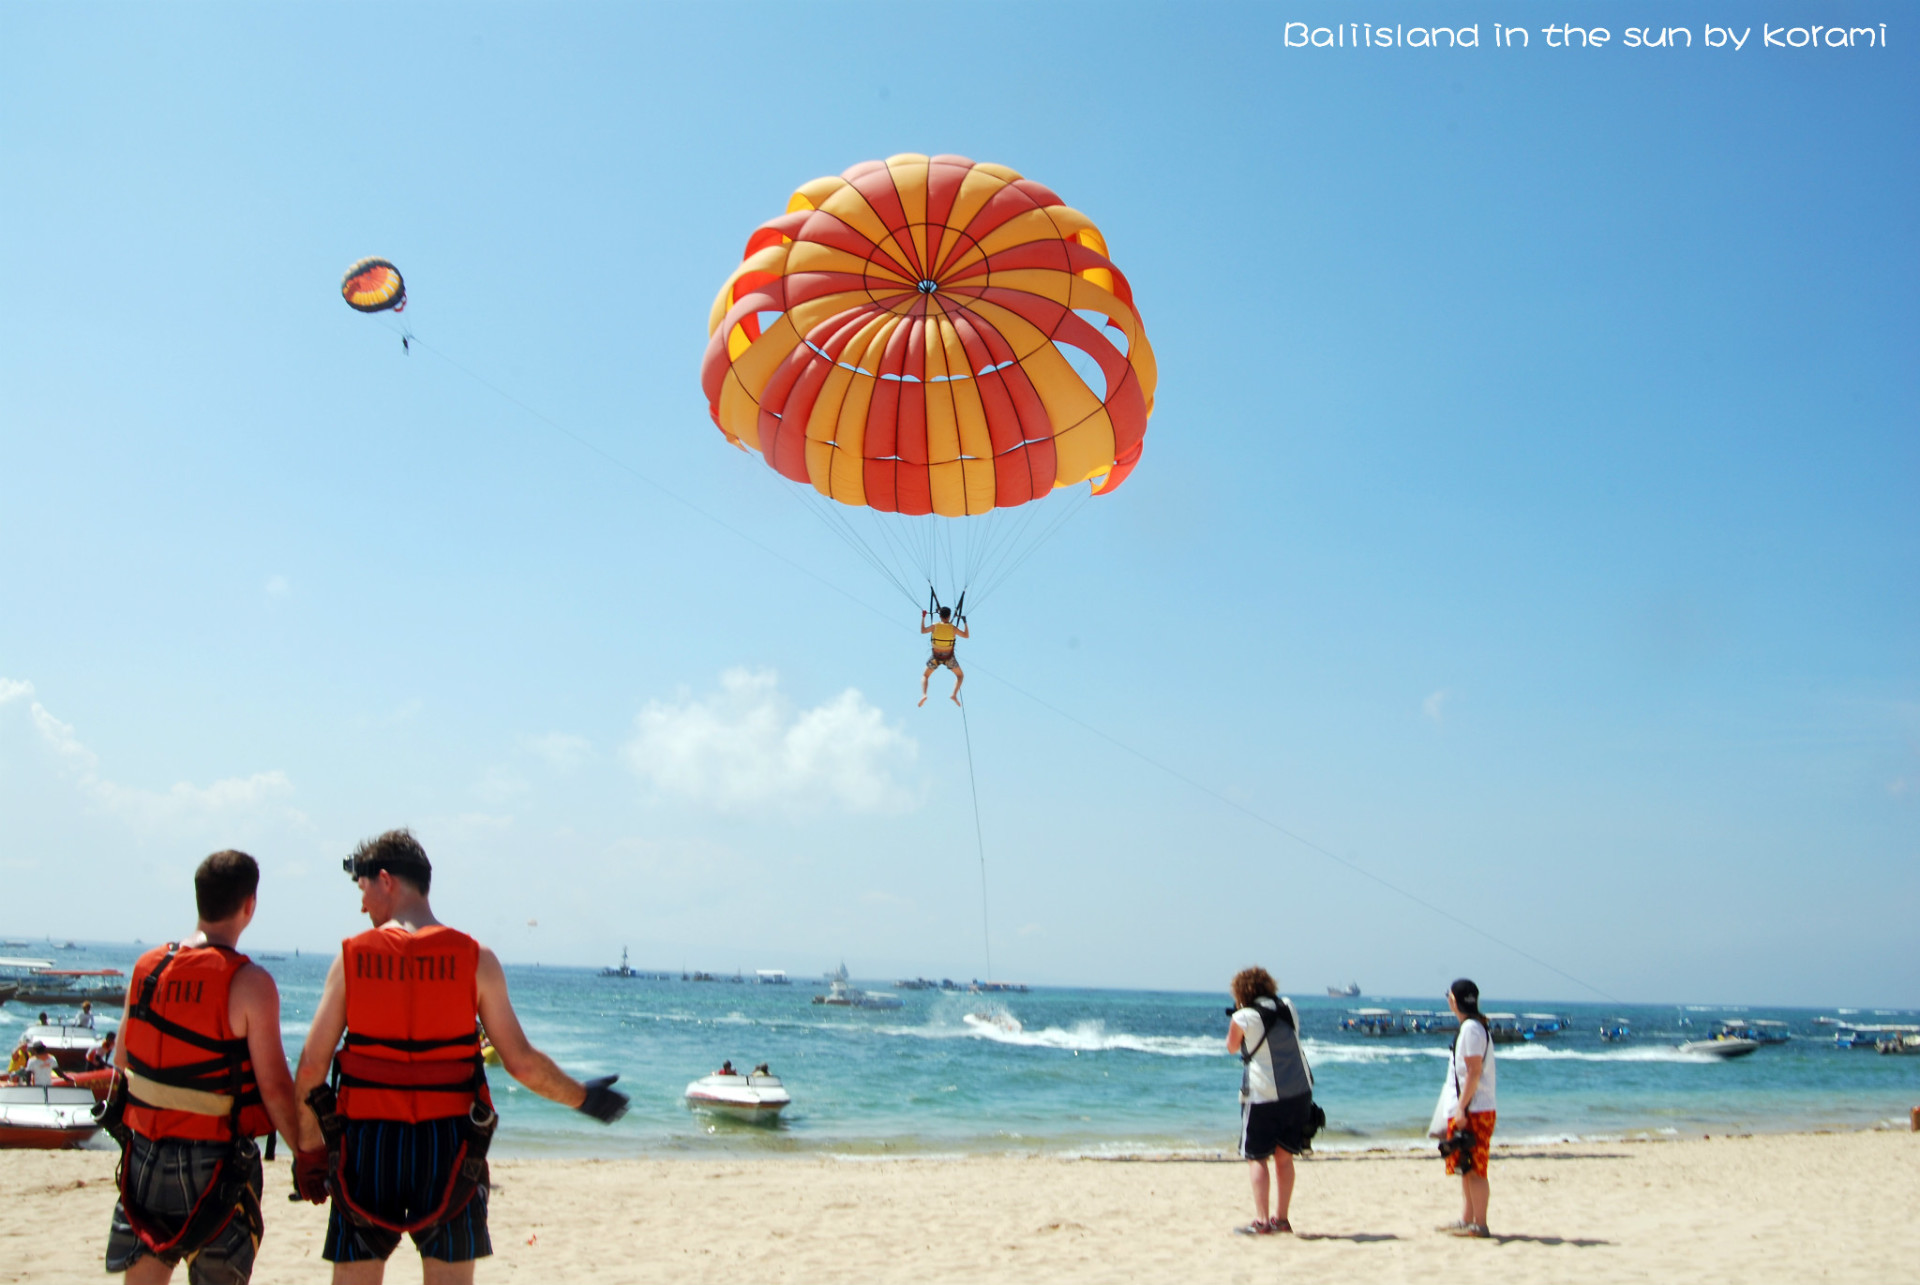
[993, 1023]
[841, 995]
[1722, 1046]
[68, 1045]
[758, 1098]
[46, 1118]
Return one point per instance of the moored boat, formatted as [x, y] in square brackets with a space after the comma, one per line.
[68, 1045]
[1350, 991]
[757, 1098]
[1374, 1023]
[1760, 1030]
[46, 1118]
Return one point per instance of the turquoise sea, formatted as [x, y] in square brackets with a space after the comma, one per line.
[1106, 1072]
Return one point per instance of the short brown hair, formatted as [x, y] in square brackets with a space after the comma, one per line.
[399, 854]
[1250, 984]
[223, 883]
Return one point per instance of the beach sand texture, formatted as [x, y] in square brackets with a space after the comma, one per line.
[1790, 1207]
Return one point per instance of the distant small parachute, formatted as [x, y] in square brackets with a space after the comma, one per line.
[374, 285]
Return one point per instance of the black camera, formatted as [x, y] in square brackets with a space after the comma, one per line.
[1231, 1010]
[1458, 1147]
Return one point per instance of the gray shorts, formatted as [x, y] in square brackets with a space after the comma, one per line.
[164, 1179]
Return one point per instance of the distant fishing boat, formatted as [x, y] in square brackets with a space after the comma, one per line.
[772, 977]
[623, 970]
[1760, 1030]
[1350, 991]
[1375, 1023]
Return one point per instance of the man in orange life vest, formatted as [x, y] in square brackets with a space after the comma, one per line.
[201, 1073]
[399, 1138]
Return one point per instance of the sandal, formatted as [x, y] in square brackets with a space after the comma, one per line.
[1472, 1231]
[1452, 1228]
[1279, 1226]
[1254, 1228]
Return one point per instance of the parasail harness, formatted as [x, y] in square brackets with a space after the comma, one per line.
[355, 1069]
[959, 608]
[215, 1086]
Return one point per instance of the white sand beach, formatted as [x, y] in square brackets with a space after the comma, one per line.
[1789, 1207]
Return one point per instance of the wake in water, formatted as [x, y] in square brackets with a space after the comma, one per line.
[1083, 1037]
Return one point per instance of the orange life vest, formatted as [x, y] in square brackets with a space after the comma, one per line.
[187, 1072]
[412, 1049]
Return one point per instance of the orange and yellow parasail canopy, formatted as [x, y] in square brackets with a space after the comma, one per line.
[906, 337]
[374, 285]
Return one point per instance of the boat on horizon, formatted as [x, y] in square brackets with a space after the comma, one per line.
[623, 970]
[772, 977]
[756, 1098]
[1350, 991]
[841, 995]
[998, 988]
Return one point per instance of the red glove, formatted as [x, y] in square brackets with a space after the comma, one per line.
[310, 1174]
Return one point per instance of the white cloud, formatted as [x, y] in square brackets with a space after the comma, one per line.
[561, 751]
[1434, 705]
[183, 802]
[61, 740]
[748, 747]
[278, 587]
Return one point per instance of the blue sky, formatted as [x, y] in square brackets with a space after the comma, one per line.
[1527, 517]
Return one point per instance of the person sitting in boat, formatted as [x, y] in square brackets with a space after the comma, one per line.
[100, 1056]
[40, 1068]
[17, 1060]
[762, 1070]
[85, 1019]
[944, 633]
[726, 1068]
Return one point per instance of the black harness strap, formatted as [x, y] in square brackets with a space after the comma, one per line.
[228, 1193]
[469, 1172]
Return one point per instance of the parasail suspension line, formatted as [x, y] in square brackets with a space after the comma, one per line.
[980, 842]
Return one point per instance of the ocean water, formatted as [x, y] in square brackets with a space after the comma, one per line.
[1103, 1072]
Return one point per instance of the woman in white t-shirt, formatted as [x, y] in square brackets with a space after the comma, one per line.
[1276, 1093]
[1467, 1107]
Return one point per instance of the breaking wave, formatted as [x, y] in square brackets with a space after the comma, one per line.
[1082, 1037]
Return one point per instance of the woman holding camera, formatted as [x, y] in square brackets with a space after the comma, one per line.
[1468, 1106]
[1276, 1093]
